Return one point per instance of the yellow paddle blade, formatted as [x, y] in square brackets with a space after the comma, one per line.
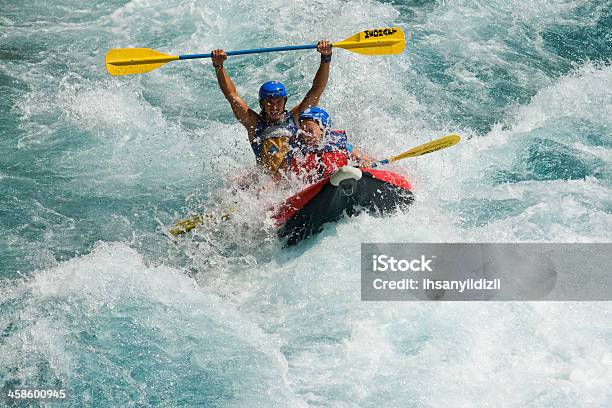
[124, 61]
[381, 41]
[186, 225]
[434, 145]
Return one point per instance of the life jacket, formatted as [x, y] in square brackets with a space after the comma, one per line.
[271, 142]
[311, 165]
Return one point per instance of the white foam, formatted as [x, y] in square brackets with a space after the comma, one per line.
[582, 94]
[114, 280]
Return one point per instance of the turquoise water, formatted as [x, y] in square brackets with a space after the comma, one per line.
[95, 298]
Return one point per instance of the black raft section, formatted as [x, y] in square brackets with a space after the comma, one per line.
[351, 197]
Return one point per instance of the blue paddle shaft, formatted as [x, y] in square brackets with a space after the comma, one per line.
[380, 163]
[253, 51]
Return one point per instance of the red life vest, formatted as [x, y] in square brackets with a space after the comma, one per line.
[314, 166]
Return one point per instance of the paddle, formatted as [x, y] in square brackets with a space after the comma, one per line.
[383, 41]
[429, 147]
[187, 224]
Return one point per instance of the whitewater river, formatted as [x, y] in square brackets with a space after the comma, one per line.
[96, 299]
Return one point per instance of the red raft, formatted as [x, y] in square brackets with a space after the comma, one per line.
[349, 191]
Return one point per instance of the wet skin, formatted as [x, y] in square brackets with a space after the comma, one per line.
[311, 133]
[273, 108]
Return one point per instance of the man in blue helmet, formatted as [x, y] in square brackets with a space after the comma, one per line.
[319, 150]
[270, 130]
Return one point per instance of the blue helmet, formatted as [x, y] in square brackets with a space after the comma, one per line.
[318, 115]
[272, 89]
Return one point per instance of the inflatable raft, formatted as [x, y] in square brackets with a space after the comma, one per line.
[349, 191]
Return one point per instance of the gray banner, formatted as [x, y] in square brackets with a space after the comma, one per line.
[477, 271]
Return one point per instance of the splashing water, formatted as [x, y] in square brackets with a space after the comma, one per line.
[94, 298]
